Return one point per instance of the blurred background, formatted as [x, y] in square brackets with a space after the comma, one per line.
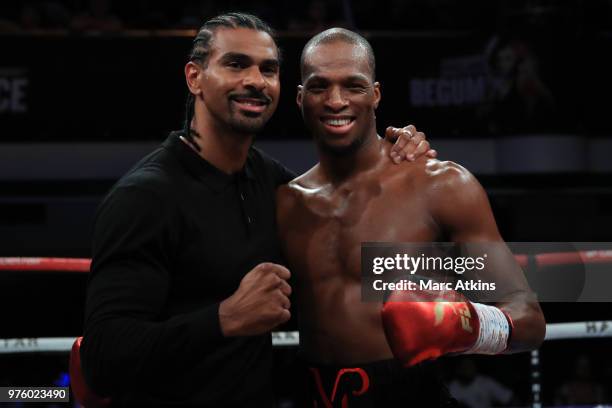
[516, 91]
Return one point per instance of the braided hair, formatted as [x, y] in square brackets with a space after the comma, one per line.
[201, 51]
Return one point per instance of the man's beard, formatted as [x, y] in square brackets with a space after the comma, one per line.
[243, 123]
[248, 122]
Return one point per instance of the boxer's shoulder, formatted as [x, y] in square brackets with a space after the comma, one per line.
[426, 173]
[299, 193]
[437, 183]
[452, 193]
[436, 167]
[287, 196]
[438, 176]
[304, 184]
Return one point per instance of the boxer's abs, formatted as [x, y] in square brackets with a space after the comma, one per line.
[338, 328]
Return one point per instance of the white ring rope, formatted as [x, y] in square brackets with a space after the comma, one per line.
[554, 331]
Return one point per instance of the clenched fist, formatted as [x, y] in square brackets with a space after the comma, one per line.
[260, 303]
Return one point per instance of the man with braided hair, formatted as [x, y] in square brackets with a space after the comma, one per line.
[185, 283]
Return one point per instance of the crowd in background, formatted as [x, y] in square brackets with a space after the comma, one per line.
[307, 15]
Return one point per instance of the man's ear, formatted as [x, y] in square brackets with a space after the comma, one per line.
[192, 77]
[299, 96]
[376, 94]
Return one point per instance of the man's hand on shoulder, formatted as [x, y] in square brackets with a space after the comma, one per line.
[408, 144]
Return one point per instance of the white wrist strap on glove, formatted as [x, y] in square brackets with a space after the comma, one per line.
[494, 330]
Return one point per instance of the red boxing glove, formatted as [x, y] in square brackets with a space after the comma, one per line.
[82, 393]
[421, 325]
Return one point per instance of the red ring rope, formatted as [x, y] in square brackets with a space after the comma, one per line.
[45, 264]
[83, 264]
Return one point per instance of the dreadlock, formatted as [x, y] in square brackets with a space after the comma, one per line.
[201, 51]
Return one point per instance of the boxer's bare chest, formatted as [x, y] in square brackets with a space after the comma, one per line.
[330, 223]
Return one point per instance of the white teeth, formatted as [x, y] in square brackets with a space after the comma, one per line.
[337, 122]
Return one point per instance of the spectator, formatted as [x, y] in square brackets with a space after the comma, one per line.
[98, 18]
[318, 16]
[56, 14]
[30, 17]
[194, 12]
[475, 390]
[581, 389]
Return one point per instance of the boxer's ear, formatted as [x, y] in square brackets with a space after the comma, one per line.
[299, 96]
[376, 94]
[192, 76]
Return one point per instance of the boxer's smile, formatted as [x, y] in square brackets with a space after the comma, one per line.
[338, 124]
[338, 96]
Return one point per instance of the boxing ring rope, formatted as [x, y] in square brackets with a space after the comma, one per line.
[45, 264]
[554, 331]
[545, 259]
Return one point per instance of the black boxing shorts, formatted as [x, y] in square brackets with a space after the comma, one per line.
[377, 384]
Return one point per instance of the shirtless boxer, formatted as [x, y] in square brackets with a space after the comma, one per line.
[354, 195]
